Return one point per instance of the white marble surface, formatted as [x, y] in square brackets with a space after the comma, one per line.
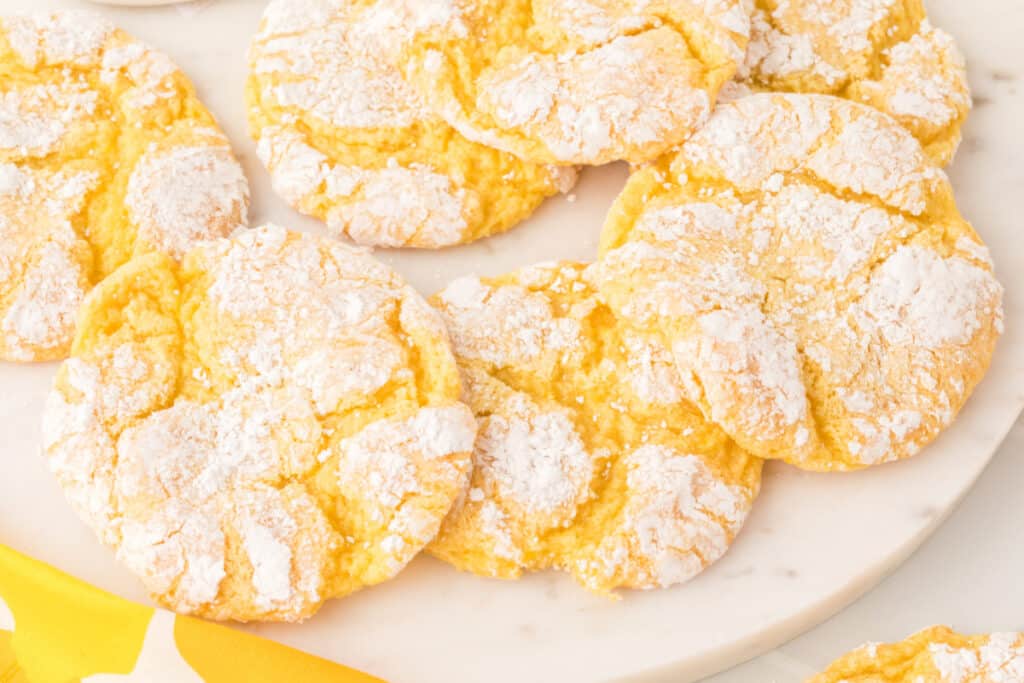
[967, 575]
[814, 544]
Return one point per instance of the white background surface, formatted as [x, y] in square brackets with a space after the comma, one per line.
[968, 575]
[814, 543]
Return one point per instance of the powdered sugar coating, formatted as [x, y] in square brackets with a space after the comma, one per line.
[505, 326]
[346, 139]
[186, 195]
[937, 655]
[85, 109]
[824, 300]
[271, 424]
[586, 81]
[588, 458]
[535, 460]
[46, 39]
[652, 373]
[1000, 657]
[34, 119]
[881, 52]
[678, 517]
[44, 264]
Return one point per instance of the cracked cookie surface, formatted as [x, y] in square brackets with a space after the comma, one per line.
[806, 263]
[105, 152]
[272, 423]
[578, 81]
[884, 53]
[588, 459]
[936, 655]
[348, 141]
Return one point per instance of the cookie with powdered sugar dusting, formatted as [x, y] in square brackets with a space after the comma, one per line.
[589, 458]
[273, 423]
[936, 655]
[105, 152]
[880, 52]
[571, 81]
[806, 263]
[347, 140]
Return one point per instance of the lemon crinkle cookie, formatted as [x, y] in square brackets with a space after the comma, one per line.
[884, 53]
[806, 263]
[348, 141]
[272, 423]
[935, 655]
[580, 81]
[589, 458]
[105, 152]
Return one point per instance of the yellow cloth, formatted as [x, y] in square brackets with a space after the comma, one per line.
[57, 629]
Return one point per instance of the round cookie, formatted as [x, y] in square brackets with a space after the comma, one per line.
[936, 655]
[272, 423]
[822, 296]
[884, 53]
[105, 152]
[571, 81]
[348, 141]
[588, 457]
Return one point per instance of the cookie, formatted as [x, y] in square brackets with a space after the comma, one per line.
[570, 82]
[348, 141]
[588, 459]
[936, 655]
[806, 263]
[272, 423]
[884, 53]
[105, 152]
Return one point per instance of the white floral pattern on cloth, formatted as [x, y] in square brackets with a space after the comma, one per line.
[6, 617]
[159, 661]
[67, 630]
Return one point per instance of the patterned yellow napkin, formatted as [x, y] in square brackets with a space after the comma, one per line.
[57, 629]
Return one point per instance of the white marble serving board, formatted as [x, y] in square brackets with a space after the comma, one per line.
[813, 544]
